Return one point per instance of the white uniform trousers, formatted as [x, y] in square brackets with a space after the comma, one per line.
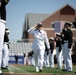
[30, 60]
[39, 58]
[63, 54]
[2, 31]
[24, 60]
[59, 58]
[46, 59]
[67, 57]
[5, 56]
[51, 56]
[33, 60]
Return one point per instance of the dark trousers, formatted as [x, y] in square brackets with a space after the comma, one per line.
[3, 13]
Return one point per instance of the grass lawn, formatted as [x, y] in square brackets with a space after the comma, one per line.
[22, 69]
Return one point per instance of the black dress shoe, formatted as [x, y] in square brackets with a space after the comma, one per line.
[57, 68]
[6, 66]
[40, 70]
[64, 70]
[3, 67]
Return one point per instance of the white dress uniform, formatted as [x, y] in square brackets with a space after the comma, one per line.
[67, 49]
[51, 52]
[2, 31]
[3, 3]
[51, 55]
[63, 53]
[40, 38]
[46, 58]
[59, 58]
[5, 51]
[59, 51]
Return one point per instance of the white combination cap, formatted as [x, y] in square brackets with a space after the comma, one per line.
[51, 38]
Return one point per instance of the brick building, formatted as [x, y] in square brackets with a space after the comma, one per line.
[66, 13]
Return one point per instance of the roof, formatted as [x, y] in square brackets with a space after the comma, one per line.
[34, 18]
[59, 10]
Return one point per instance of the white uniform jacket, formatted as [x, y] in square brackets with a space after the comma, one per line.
[40, 38]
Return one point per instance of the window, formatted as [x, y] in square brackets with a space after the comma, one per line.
[52, 25]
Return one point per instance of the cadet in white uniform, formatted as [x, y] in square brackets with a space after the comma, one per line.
[46, 57]
[68, 39]
[3, 4]
[51, 52]
[40, 38]
[2, 31]
[5, 51]
[58, 50]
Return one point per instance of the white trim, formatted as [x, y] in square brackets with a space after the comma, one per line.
[48, 28]
[3, 21]
[74, 29]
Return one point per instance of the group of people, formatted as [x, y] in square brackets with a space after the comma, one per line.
[63, 44]
[44, 48]
[3, 35]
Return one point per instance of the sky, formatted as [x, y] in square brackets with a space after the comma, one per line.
[17, 10]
